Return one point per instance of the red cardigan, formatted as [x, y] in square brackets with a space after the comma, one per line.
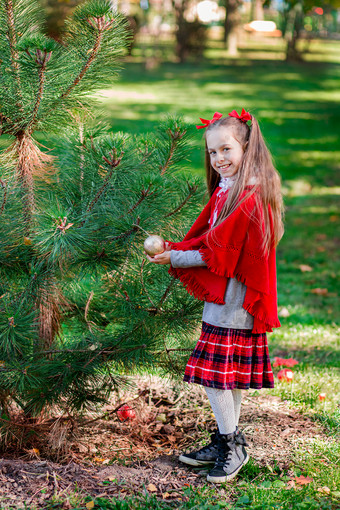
[232, 250]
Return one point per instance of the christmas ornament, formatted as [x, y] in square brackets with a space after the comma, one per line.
[285, 375]
[153, 245]
[126, 413]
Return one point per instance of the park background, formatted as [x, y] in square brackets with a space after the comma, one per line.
[288, 77]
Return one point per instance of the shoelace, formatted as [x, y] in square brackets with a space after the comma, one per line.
[223, 455]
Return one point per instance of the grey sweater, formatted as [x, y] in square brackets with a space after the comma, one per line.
[231, 314]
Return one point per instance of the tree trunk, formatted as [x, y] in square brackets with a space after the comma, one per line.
[293, 35]
[256, 12]
[32, 162]
[231, 26]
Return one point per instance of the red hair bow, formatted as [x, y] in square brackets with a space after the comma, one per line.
[207, 122]
[245, 116]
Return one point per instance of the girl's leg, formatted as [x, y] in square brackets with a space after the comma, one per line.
[237, 396]
[222, 404]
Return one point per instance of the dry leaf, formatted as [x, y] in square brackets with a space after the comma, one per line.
[151, 487]
[305, 268]
[165, 495]
[290, 484]
[333, 218]
[286, 432]
[324, 490]
[90, 505]
[319, 292]
[303, 480]
[99, 459]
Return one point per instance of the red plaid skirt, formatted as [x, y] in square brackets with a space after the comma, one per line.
[227, 358]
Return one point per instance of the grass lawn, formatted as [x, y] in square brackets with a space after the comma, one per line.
[298, 107]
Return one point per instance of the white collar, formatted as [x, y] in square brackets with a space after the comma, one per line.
[226, 183]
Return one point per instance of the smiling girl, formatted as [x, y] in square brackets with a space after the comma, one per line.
[227, 259]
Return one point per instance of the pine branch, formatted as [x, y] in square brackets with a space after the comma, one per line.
[4, 187]
[143, 286]
[192, 190]
[12, 45]
[127, 233]
[175, 136]
[165, 295]
[113, 163]
[144, 193]
[45, 58]
[101, 25]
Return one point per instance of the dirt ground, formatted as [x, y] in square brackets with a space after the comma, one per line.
[109, 458]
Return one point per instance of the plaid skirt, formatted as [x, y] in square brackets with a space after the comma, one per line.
[227, 358]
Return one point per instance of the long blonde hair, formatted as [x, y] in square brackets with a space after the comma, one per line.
[256, 175]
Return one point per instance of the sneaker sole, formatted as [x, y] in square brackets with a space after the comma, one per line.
[194, 462]
[226, 478]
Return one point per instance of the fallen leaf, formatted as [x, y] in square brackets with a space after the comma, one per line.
[165, 495]
[90, 505]
[99, 459]
[305, 268]
[151, 487]
[303, 480]
[333, 218]
[290, 484]
[324, 490]
[319, 292]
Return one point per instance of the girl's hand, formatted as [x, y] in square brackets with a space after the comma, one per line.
[160, 258]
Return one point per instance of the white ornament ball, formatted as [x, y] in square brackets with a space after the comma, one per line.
[153, 245]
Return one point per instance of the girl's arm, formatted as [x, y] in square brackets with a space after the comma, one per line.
[180, 259]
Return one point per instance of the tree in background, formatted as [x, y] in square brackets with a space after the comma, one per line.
[191, 36]
[232, 23]
[293, 14]
[79, 306]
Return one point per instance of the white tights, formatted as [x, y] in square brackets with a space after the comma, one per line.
[226, 406]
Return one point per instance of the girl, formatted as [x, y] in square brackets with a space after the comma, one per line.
[227, 259]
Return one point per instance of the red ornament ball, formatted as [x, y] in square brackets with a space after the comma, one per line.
[126, 413]
[285, 375]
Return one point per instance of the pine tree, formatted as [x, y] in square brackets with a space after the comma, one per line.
[80, 307]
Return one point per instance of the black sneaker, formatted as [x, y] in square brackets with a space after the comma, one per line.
[231, 457]
[206, 455]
